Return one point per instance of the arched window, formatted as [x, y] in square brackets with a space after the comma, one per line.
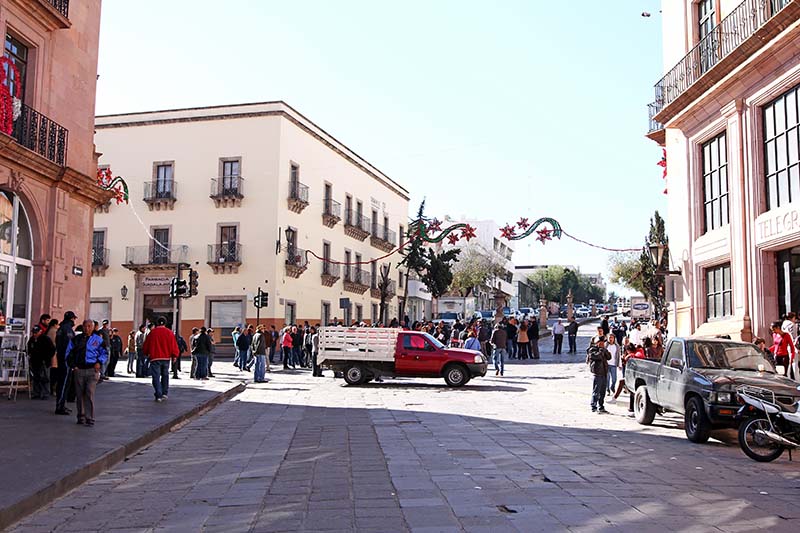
[16, 254]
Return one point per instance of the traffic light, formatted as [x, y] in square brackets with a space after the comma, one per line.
[261, 299]
[178, 288]
[192, 282]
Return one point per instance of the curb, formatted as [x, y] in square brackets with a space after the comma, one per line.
[19, 510]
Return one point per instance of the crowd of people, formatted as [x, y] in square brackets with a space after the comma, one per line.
[785, 345]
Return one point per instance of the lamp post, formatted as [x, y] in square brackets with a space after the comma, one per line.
[657, 256]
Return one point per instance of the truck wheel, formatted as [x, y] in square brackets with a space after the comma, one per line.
[695, 421]
[354, 375]
[456, 376]
[643, 408]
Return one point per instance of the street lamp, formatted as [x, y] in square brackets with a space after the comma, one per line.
[657, 256]
[124, 292]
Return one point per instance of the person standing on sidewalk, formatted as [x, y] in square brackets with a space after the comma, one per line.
[316, 371]
[259, 348]
[499, 341]
[235, 334]
[572, 335]
[85, 355]
[212, 351]
[558, 336]
[286, 348]
[161, 348]
[523, 341]
[243, 347]
[141, 361]
[274, 333]
[64, 336]
[130, 352]
[597, 358]
[533, 335]
[614, 349]
[182, 349]
[116, 351]
[201, 349]
[484, 334]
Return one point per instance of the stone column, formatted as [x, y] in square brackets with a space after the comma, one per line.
[570, 305]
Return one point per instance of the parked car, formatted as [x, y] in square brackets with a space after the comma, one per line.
[698, 378]
[582, 312]
[526, 313]
[562, 312]
[362, 354]
[487, 315]
[448, 317]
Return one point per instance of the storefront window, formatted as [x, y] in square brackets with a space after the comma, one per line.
[16, 252]
[225, 315]
[788, 281]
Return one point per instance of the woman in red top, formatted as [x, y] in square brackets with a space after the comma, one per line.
[782, 347]
[286, 346]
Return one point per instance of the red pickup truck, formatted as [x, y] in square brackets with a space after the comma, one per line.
[363, 354]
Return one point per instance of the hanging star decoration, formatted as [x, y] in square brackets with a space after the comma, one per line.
[663, 162]
[468, 233]
[545, 234]
[508, 231]
[107, 182]
[424, 229]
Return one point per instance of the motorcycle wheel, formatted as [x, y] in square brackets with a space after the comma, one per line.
[757, 447]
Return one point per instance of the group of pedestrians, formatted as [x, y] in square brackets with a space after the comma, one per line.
[785, 345]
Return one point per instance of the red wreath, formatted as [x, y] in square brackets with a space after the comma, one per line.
[6, 100]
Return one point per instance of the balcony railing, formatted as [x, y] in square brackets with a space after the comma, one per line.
[160, 190]
[357, 225]
[741, 24]
[331, 212]
[155, 255]
[298, 196]
[227, 187]
[224, 253]
[331, 272]
[38, 133]
[654, 125]
[62, 6]
[355, 275]
[99, 257]
[383, 233]
[296, 261]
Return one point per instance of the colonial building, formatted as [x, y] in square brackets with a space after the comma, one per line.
[48, 165]
[727, 112]
[251, 195]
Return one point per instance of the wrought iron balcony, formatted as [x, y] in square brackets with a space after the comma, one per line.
[155, 255]
[99, 260]
[298, 196]
[62, 6]
[160, 194]
[356, 225]
[224, 258]
[296, 261]
[227, 190]
[356, 280]
[383, 238]
[655, 129]
[742, 24]
[330, 273]
[331, 212]
[375, 290]
[38, 133]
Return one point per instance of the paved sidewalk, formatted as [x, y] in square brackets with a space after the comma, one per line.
[44, 455]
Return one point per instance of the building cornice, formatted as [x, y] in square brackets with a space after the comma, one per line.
[239, 111]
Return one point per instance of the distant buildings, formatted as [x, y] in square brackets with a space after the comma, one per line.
[727, 113]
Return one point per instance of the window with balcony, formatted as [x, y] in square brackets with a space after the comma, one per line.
[347, 260]
[706, 20]
[348, 208]
[719, 294]
[163, 185]
[99, 252]
[160, 251]
[160, 193]
[782, 149]
[298, 192]
[227, 189]
[331, 209]
[225, 256]
[18, 53]
[715, 183]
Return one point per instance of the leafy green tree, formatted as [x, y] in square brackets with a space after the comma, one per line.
[439, 275]
[415, 260]
[548, 282]
[474, 270]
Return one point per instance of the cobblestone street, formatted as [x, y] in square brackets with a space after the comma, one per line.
[521, 452]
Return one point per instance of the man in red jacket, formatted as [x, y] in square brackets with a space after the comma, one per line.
[161, 348]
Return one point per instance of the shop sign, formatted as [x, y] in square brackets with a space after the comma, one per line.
[775, 226]
[156, 281]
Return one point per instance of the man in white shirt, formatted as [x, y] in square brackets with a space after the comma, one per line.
[635, 335]
[558, 336]
[789, 324]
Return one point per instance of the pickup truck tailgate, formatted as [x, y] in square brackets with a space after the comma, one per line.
[357, 344]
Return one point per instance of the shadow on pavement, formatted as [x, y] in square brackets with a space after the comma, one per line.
[303, 468]
[438, 387]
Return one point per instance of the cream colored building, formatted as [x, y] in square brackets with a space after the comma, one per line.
[245, 194]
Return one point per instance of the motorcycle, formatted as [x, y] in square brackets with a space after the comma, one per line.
[768, 427]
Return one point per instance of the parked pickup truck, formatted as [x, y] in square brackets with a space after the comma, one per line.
[698, 377]
[362, 354]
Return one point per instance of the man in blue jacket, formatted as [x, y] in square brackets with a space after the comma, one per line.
[85, 355]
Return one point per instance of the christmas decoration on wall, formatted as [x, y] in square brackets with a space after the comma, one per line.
[509, 231]
[107, 182]
[663, 164]
[10, 106]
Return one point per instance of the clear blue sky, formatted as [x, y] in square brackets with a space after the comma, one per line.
[488, 109]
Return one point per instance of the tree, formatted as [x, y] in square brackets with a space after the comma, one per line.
[474, 270]
[384, 282]
[439, 275]
[414, 258]
[637, 272]
[548, 282]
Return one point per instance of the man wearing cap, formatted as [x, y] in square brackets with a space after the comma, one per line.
[64, 336]
[116, 352]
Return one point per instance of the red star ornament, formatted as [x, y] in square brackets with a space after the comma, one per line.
[523, 224]
[435, 225]
[544, 235]
[452, 238]
[468, 233]
[663, 162]
[508, 231]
